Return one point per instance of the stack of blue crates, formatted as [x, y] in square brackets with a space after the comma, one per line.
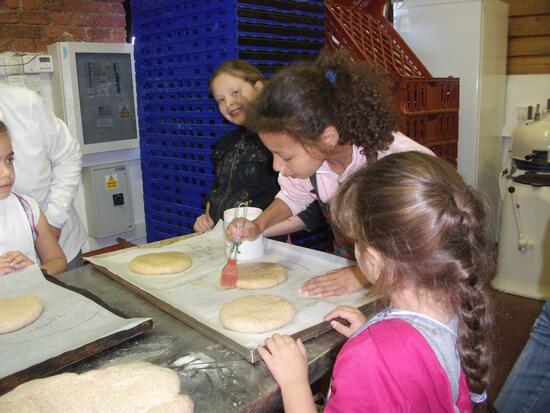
[178, 44]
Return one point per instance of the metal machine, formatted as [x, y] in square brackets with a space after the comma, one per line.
[524, 243]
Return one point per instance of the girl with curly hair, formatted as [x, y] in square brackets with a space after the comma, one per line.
[322, 122]
[421, 238]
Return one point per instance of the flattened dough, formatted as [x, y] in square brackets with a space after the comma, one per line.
[159, 263]
[19, 312]
[257, 275]
[257, 313]
[133, 387]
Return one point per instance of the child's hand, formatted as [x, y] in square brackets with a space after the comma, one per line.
[286, 359]
[241, 229]
[4, 266]
[336, 282]
[203, 223]
[351, 314]
[13, 260]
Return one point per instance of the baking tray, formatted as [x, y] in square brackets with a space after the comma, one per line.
[194, 296]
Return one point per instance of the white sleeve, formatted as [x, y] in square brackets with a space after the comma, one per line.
[66, 162]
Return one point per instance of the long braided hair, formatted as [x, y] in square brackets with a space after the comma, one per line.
[431, 230]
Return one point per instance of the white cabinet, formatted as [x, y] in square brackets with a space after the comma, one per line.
[466, 39]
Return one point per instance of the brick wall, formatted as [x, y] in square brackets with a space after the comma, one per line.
[30, 25]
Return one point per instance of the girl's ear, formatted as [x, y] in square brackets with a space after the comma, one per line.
[370, 263]
[329, 137]
[259, 86]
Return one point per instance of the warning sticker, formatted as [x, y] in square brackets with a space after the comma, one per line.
[111, 181]
[124, 112]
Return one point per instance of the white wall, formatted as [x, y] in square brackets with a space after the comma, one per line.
[523, 91]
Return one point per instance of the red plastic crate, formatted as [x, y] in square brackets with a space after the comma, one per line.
[426, 128]
[428, 94]
[446, 150]
[428, 106]
[370, 37]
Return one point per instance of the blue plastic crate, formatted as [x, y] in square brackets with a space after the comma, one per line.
[171, 215]
[177, 152]
[197, 130]
[191, 142]
[177, 165]
[178, 46]
[186, 195]
[156, 171]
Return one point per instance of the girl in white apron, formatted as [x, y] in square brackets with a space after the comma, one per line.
[25, 237]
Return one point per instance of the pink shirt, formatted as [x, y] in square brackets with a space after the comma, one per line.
[390, 367]
[296, 192]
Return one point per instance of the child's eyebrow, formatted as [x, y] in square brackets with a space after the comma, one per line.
[12, 153]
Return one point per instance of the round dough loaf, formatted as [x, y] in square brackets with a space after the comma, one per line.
[133, 387]
[258, 275]
[257, 313]
[19, 312]
[160, 263]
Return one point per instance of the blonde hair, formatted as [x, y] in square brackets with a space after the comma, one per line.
[238, 68]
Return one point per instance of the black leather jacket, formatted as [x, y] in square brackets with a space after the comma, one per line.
[244, 172]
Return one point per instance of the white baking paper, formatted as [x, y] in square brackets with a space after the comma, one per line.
[68, 321]
[197, 291]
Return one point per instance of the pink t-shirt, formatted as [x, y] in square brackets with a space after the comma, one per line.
[296, 192]
[390, 367]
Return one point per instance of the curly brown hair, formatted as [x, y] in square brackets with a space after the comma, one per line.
[302, 100]
[431, 230]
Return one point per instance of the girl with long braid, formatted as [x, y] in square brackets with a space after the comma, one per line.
[421, 239]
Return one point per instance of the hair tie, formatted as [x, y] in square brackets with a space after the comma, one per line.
[331, 76]
[478, 398]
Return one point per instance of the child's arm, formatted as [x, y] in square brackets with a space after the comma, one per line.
[287, 361]
[50, 253]
[13, 260]
[288, 226]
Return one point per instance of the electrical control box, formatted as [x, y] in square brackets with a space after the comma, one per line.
[94, 93]
[37, 64]
[108, 199]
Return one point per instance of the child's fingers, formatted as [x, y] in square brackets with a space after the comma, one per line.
[265, 355]
[342, 329]
[5, 268]
[302, 348]
[342, 312]
[22, 264]
[10, 255]
[5, 265]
